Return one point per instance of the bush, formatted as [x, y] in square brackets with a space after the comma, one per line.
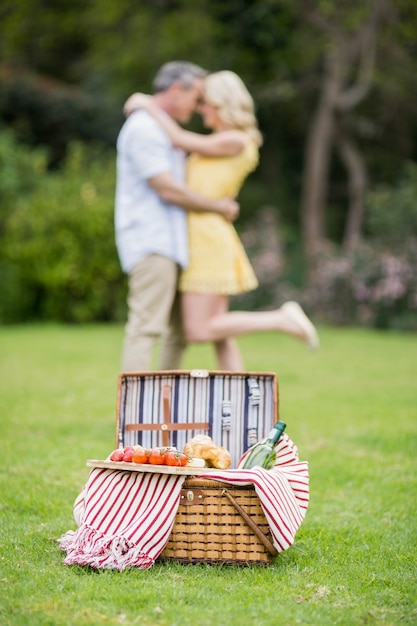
[20, 172]
[370, 287]
[58, 257]
[44, 111]
[376, 285]
[392, 211]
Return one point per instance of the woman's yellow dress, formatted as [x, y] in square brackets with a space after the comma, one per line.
[218, 263]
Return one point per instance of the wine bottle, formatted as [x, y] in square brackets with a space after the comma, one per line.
[263, 453]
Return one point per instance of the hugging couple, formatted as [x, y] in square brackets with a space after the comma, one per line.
[176, 202]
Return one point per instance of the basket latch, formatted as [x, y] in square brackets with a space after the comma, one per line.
[199, 374]
[191, 496]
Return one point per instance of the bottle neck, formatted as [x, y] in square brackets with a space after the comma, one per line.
[276, 432]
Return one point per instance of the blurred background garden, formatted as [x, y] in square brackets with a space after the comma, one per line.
[330, 216]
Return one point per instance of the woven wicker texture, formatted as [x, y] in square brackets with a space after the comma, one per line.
[209, 529]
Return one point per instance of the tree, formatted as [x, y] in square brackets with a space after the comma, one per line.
[350, 39]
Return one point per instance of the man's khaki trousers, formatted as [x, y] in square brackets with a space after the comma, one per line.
[153, 313]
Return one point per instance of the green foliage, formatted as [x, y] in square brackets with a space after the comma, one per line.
[43, 112]
[40, 35]
[376, 283]
[351, 409]
[392, 210]
[58, 259]
[264, 31]
[19, 171]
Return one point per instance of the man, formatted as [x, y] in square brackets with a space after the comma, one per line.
[150, 218]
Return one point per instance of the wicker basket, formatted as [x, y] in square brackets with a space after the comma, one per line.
[219, 523]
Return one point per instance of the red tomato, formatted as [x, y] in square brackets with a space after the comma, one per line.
[140, 455]
[173, 457]
[184, 459]
[157, 456]
[128, 453]
[117, 455]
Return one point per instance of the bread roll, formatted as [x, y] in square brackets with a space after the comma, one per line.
[203, 447]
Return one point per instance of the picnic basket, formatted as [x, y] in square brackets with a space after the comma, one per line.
[215, 522]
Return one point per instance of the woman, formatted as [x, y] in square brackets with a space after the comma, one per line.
[218, 265]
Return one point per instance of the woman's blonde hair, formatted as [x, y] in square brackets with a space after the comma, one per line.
[228, 93]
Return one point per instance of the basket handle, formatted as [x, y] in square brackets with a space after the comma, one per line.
[258, 532]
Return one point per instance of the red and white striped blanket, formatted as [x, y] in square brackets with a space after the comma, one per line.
[125, 518]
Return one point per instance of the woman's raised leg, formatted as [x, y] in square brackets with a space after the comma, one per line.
[207, 320]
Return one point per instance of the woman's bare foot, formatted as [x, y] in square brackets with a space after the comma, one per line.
[303, 327]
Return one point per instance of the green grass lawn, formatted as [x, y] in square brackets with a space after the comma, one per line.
[352, 411]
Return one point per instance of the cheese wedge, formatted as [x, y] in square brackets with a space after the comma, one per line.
[196, 462]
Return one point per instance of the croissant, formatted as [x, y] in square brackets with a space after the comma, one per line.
[203, 447]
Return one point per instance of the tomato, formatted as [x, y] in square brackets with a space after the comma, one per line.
[128, 453]
[117, 455]
[140, 455]
[176, 459]
[173, 457]
[157, 456]
[184, 459]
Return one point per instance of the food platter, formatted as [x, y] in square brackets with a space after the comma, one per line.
[188, 470]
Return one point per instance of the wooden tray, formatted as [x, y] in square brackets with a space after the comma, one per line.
[147, 467]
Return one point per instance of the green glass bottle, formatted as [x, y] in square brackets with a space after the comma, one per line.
[263, 453]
